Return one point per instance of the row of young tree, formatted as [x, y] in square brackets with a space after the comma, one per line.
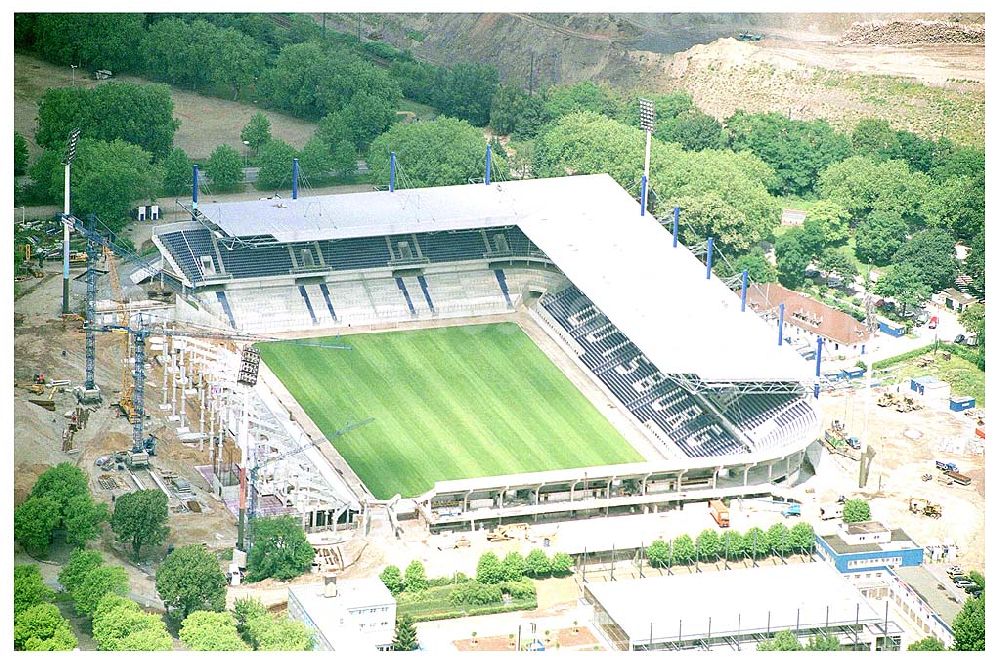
[711, 545]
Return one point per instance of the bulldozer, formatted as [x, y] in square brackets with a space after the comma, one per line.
[908, 404]
[507, 532]
[925, 507]
[886, 400]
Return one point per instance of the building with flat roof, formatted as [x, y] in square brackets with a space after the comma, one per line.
[350, 615]
[867, 546]
[736, 609]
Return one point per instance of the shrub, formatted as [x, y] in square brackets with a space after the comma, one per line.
[856, 511]
[537, 564]
[519, 589]
[489, 570]
[415, 579]
[658, 554]
[476, 594]
[392, 578]
[561, 565]
[513, 566]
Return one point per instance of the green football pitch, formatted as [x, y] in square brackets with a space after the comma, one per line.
[448, 403]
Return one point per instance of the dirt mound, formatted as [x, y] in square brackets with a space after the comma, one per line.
[896, 33]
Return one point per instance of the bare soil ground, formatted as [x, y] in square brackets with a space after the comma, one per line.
[206, 122]
[930, 89]
[896, 472]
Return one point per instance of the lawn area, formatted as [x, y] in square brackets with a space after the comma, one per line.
[964, 377]
[434, 603]
[448, 403]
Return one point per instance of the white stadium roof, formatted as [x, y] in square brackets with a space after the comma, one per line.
[591, 229]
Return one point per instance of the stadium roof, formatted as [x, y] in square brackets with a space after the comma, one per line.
[738, 601]
[591, 229]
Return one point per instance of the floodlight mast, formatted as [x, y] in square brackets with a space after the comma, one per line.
[74, 136]
[647, 119]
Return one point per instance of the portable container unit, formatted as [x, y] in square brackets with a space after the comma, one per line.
[961, 403]
[930, 387]
[891, 327]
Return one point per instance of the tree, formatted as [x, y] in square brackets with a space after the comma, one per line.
[275, 162]
[683, 550]
[856, 511]
[465, 91]
[780, 539]
[514, 112]
[211, 632]
[489, 570]
[335, 131]
[140, 518]
[189, 580]
[392, 578]
[707, 545]
[875, 138]
[34, 520]
[707, 214]
[225, 167]
[138, 114]
[970, 626]
[862, 185]
[369, 113]
[98, 583]
[458, 154]
[975, 263]
[823, 644]
[154, 639]
[405, 638]
[757, 544]
[29, 588]
[99, 41]
[537, 564]
[838, 261]
[797, 150]
[928, 644]
[783, 641]
[315, 159]
[280, 549]
[832, 219]
[904, 283]
[42, 628]
[235, 60]
[561, 565]
[879, 236]
[513, 566]
[732, 545]
[586, 96]
[20, 154]
[758, 268]
[269, 633]
[83, 519]
[802, 537]
[973, 318]
[932, 253]
[60, 484]
[957, 205]
[793, 259]
[176, 172]
[658, 554]
[245, 610]
[81, 562]
[415, 578]
[693, 130]
[119, 624]
[256, 132]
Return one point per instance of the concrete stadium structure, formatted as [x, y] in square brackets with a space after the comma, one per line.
[726, 409]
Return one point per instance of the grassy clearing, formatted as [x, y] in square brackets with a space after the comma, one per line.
[435, 604]
[449, 403]
[963, 376]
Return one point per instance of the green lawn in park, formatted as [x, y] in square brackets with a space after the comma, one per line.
[447, 403]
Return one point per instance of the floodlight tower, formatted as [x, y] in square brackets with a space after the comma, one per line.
[74, 136]
[647, 119]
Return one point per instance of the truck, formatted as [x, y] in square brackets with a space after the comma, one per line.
[946, 466]
[828, 511]
[720, 512]
[791, 510]
[960, 479]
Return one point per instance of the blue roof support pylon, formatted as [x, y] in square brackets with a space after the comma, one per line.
[392, 172]
[781, 323]
[708, 259]
[489, 163]
[677, 219]
[194, 190]
[295, 178]
[743, 291]
[819, 362]
[642, 197]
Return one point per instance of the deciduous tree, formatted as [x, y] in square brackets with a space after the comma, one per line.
[905, 284]
[932, 253]
[272, 634]
[29, 588]
[257, 131]
[561, 565]
[756, 543]
[34, 520]
[879, 236]
[42, 628]
[489, 569]
[140, 518]
[211, 631]
[275, 162]
[280, 549]
[793, 258]
[392, 578]
[225, 168]
[98, 583]
[802, 537]
[176, 172]
[190, 580]
[856, 511]
[707, 545]
[513, 566]
[537, 564]
[415, 579]
[970, 626]
[20, 154]
[81, 562]
[927, 644]
[783, 641]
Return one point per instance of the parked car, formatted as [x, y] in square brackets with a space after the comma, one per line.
[974, 590]
[964, 582]
[933, 322]
[955, 570]
[921, 317]
[959, 339]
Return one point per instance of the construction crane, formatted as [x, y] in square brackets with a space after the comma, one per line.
[246, 521]
[125, 399]
[140, 329]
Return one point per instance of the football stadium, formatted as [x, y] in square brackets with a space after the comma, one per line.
[533, 348]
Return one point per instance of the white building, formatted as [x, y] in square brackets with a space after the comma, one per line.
[347, 616]
[736, 609]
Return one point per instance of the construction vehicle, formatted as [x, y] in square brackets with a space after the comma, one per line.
[720, 512]
[960, 479]
[926, 477]
[946, 466]
[791, 510]
[924, 507]
[944, 480]
[749, 37]
[829, 511]
[507, 532]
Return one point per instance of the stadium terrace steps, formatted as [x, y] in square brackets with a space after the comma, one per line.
[406, 295]
[502, 281]
[659, 401]
[221, 295]
[305, 297]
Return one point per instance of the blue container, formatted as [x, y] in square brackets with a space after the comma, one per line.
[961, 403]
[892, 328]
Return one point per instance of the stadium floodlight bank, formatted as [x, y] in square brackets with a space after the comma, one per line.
[671, 348]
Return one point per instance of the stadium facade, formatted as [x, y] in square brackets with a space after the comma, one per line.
[726, 408]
